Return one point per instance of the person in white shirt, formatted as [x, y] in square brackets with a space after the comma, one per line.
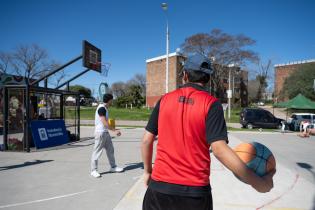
[103, 139]
[304, 130]
[305, 125]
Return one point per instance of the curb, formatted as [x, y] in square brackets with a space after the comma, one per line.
[133, 198]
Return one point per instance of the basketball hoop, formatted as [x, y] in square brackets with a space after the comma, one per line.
[91, 56]
[104, 68]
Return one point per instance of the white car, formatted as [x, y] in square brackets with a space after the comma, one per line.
[94, 104]
[260, 103]
[296, 118]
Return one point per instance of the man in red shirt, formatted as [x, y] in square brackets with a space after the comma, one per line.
[188, 121]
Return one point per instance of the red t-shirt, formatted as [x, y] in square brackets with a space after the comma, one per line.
[186, 125]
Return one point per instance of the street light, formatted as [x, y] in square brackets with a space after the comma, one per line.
[164, 7]
[229, 92]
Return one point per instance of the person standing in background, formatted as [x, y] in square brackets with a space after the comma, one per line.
[103, 139]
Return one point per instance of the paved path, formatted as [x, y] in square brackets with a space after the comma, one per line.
[141, 123]
[58, 178]
[277, 112]
[118, 122]
[291, 191]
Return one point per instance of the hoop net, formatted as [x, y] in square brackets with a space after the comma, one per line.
[105, 67]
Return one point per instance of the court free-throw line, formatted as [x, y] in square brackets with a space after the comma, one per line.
[42, 200]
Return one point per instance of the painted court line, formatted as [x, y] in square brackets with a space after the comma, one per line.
[42, 200]
[280, 196]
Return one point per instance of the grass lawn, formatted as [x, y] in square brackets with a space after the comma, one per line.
[235, 115]
[88, 113]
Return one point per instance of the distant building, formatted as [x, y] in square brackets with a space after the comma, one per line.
[283, 71]
[156, 85]
[155, 74]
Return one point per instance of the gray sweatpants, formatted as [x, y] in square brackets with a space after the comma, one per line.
[102, 141]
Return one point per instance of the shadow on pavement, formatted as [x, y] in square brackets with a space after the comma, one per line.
[83, 142]
[3, 168]
[133, 166]
[130, 166]
[308, 167]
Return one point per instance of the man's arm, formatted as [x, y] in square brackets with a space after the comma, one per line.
[151, 131]
[104, 121]
[230, 160]
[102, 113]
[147, 152]
[106, 124]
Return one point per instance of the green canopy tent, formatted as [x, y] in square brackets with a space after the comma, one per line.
[298, 102]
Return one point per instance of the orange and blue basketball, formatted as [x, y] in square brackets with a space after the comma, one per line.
[257, 157]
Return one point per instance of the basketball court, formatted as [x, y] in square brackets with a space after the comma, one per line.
[293, 183]
[59, 178]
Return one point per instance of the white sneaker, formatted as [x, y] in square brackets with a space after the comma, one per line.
[116, 169]
[95, 174]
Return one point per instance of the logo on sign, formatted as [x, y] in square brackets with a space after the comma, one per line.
[42, 134]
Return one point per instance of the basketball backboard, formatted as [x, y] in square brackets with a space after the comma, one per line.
[92, 56]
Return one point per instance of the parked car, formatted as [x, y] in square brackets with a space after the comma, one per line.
[260, 103]
[94, 104]
[295, 120]
[259, 118]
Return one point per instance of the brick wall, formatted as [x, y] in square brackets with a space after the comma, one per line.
[284, 71]
[281, 73]
[155, 77]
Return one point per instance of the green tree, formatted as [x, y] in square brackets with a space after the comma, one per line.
[224, 49]
[300, 81]
[139, 80]
[133, 96]
[86, 92]
[136, 96]
[121, 101]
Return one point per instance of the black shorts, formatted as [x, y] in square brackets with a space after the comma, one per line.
[154, 200]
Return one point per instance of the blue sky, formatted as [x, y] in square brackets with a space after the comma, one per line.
[129, 32]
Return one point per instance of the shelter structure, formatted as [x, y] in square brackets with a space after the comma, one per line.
[298, 102]
[35, 116]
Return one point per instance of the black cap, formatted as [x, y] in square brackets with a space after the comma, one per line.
[197, 62]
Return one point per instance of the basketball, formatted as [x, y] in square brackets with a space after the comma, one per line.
[257, 157]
